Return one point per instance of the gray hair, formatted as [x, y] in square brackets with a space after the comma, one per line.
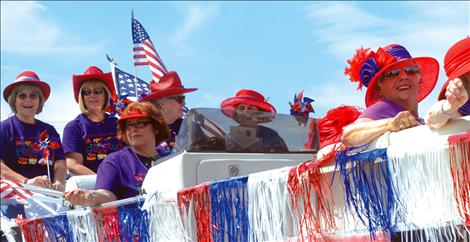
[22, 87]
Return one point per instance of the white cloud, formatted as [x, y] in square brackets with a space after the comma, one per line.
[26, 30]
[196, 16]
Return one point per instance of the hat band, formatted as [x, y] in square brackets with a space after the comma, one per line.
[457, 62]
[26, 78]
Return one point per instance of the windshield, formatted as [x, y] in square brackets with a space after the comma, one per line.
[217, 130]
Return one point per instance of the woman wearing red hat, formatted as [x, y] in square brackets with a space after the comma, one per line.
[454, 96]
[249, 108]
[396, 83]
[168, 95]
[92, 135]
[31, 150]
[121, 174]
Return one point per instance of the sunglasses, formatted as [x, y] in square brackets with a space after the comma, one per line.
[96, 91]
[410, 70]
[137, 125]
[23, 96]
[247, 107]
[179, 99]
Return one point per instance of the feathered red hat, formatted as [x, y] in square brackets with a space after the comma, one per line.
[168, 85]
[92, 73]
[28, 77]
[367, 66]
[456, 62]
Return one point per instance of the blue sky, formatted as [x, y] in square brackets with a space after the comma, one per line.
[277, 48]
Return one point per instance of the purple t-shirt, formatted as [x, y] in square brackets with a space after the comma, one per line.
[21, 147]
[94, 140]
[465, 109]
[384, 109]
[122, 173]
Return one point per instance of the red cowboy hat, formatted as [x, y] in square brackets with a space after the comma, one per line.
[92, 73]
[456, 62]
[168, 85]
[28, 77]
[367, 66]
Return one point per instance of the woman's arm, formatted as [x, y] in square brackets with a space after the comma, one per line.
[7, 172]
[439, 113]
[89, 197]
[75, 164]
[365, 130]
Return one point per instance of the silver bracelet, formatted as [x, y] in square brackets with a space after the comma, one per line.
[444, 112]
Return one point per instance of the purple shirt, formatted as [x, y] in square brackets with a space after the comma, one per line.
[20, 150]
[122, 173]
[465, 109]
[94, 140]
[384, 109]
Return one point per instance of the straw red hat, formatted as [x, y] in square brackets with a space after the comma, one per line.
[28, 77]
[367, 66]
[92, 73]
[250, 97]
[168, 85]
[456, 62]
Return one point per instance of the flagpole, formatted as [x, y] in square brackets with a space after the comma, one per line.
[135, 67]
[113, 65]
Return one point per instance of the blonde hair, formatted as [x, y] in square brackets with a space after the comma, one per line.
[22, 87]
[81, 101]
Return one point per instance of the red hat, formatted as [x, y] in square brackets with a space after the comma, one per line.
[28, 77]
[456, 62]
[367, 66]
[250, 97]
[135, 113]
[92, 73]
[168, 85]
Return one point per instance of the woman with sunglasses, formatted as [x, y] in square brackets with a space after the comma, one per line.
[121, 174]
[168, 96]
[31, 150]
[396, 83]
[92, 135]
[454, 96]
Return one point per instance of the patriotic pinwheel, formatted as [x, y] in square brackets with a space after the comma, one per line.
[44, 144]
[301, 107]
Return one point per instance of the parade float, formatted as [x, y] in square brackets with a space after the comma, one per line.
[411, 185]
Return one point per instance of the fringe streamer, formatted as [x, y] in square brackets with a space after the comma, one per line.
[194, 202]
[164, 219]
[58, 229]
[82, 225]
[268, 206]
[229, 213]
[459, 158]
[133, 222]
[107, 224]
[369, 189]
[424, 183]
[33, 230]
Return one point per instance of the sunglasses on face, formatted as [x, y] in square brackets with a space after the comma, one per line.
[96, 91]
[179, 99]
[410, 70]
[246, 107]
[137, 125]
[23, 96]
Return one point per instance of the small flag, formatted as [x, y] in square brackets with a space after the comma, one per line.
[144, 51]
[126, 85]
[13, 190]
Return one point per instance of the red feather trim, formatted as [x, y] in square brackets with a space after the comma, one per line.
[355, 63]
[331, 126]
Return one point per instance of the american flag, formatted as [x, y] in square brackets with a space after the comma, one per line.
[127, 86]
[13, 190]
[144, 51]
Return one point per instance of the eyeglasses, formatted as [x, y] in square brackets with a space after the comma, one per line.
[410, 70]
[179, 99]
[137, 125]
[23, 96]
[96, 91]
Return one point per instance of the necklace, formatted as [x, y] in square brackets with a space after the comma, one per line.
[147, 160]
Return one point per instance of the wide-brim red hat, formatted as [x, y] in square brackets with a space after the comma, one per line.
[456, 62]
[249, 97]
[428, 69]
[367, 66]
[92, 73]
[28, 77]
[169, 85]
